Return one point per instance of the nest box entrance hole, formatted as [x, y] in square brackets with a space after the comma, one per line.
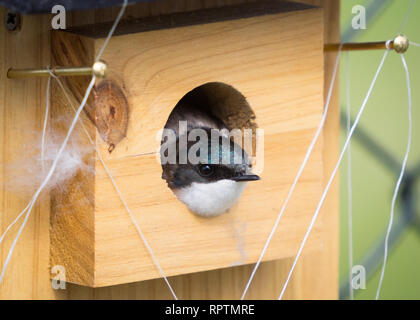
[214, 105]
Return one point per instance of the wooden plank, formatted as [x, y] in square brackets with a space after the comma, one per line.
[72, 225]
[325, 263]
[229, 283]
[22, 108]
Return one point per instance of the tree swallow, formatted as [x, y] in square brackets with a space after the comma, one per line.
[208, 175]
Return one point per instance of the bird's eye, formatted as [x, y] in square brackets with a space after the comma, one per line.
[206, 170]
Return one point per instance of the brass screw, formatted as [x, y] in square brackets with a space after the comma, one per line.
[100, 69]
[400, 44]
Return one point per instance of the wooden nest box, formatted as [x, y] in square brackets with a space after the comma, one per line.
[271, 53]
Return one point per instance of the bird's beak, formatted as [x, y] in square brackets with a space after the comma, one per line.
[246, 177]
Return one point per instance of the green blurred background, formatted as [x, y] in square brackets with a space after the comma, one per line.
[385, 120]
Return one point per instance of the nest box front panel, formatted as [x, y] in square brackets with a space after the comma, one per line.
[275, 60]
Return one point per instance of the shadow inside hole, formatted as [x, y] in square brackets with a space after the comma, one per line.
[215, 100]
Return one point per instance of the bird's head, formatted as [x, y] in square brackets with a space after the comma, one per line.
[213, 174]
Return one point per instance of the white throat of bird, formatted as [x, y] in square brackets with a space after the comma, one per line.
[211, 199]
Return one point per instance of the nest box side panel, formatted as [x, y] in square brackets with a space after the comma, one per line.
[72, 203]
[276, 62]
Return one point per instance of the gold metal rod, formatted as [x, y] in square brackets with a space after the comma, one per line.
[99, 69]
[399, 44]
[70, 71]
[355, 46]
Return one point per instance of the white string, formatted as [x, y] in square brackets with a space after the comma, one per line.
[349, 179]
[415, 44]
[133, 219]
[398, 184]
[327, 187]
[302, 167]
[44, 128]
[14, 222]
[111, 31]
[59, 153]
[406, 16]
